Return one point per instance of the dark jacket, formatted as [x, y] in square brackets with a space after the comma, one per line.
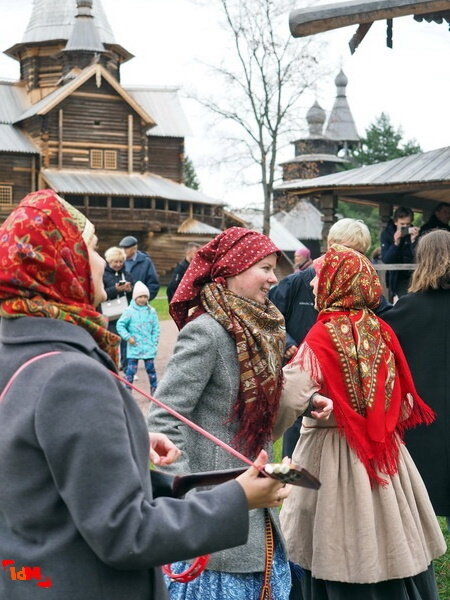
[111, 277]
[391, 254]
[75, 489]
[294, 298]
[422, 324]
[177, 276]
[142, 269]
[433, 223]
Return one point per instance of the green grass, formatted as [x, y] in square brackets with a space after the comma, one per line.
[161, 305]
[442, 566]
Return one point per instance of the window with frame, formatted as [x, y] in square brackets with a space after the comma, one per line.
[96, 159]
[5, 195]
[110, 159]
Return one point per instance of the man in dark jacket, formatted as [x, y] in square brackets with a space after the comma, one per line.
[181, 268]
[439, 219]
[294, 299]
[140, 265]
[398, 243]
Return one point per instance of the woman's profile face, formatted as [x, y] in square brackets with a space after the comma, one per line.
[255, 282]
[97, 265]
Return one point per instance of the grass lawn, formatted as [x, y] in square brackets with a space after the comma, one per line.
[161, 305]
[442, 566]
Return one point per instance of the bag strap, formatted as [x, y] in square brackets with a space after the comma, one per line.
[22, 368]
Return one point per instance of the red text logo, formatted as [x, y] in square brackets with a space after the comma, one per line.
[26, 574]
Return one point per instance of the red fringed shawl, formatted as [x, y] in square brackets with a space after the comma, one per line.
[363, 367]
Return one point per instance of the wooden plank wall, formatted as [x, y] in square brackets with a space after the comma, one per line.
[16, 170]
[166, 157]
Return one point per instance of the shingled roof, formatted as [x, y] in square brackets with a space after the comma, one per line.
[53, 20]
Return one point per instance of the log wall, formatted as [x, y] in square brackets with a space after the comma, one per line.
[16, 170]
[166, 157]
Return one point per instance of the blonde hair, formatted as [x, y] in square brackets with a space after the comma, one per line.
[114, 252]
[433, 262]
[352, 233]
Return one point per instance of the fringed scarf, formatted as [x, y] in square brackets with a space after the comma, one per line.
[259, 333]
[363, 366]
[258, 329]
[44, 266]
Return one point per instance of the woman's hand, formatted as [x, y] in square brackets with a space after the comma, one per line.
[262, 492]
[290, 352]
[131, 341]
[162, 450]
[324, 407]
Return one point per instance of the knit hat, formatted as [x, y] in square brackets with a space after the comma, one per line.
[128, 241]
[303, 252]
[140, 289]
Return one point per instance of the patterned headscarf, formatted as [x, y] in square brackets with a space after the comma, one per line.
[44, 266]
[258, 329]
[363, 366]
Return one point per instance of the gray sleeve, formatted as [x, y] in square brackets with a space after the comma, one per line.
[182, 386]
[85, 438]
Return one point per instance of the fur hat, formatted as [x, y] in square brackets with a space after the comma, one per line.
[140, 289]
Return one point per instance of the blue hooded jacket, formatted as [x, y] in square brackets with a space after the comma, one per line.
[141, 323]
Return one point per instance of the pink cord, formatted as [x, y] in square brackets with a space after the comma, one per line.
[190, 424]
[171, 411]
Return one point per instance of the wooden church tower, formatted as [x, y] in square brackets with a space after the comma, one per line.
[116, 152]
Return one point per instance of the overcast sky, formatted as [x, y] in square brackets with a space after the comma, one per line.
[170, 38]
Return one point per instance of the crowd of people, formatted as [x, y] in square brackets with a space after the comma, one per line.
[355, 385]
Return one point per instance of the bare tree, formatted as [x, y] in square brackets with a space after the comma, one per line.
[263, 78]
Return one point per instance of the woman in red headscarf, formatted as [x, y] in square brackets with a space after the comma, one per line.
[77, 514]
[225, 374]
[370, 531]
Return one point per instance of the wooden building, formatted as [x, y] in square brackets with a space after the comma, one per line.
[420, 181]
[116, 152]
[322, 152]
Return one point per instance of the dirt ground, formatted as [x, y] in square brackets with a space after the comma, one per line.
[167, 340]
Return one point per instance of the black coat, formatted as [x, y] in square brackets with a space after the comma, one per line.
[111, 277]
[422, 323]
[391, 254]
[177, 276]
[433, 223]
[294, 298]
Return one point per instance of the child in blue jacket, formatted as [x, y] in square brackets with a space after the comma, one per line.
[139, 327]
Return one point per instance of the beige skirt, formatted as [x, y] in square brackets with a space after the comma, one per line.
[349, 532]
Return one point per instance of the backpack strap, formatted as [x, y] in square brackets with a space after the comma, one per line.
[22, 367]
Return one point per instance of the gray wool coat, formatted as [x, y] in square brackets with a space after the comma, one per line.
[75, 491]
[201, 381]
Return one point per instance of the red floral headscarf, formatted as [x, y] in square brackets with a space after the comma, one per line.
[258, 329]
[44, 266]
[362, 364]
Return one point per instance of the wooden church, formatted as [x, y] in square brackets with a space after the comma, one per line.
[115, 152]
